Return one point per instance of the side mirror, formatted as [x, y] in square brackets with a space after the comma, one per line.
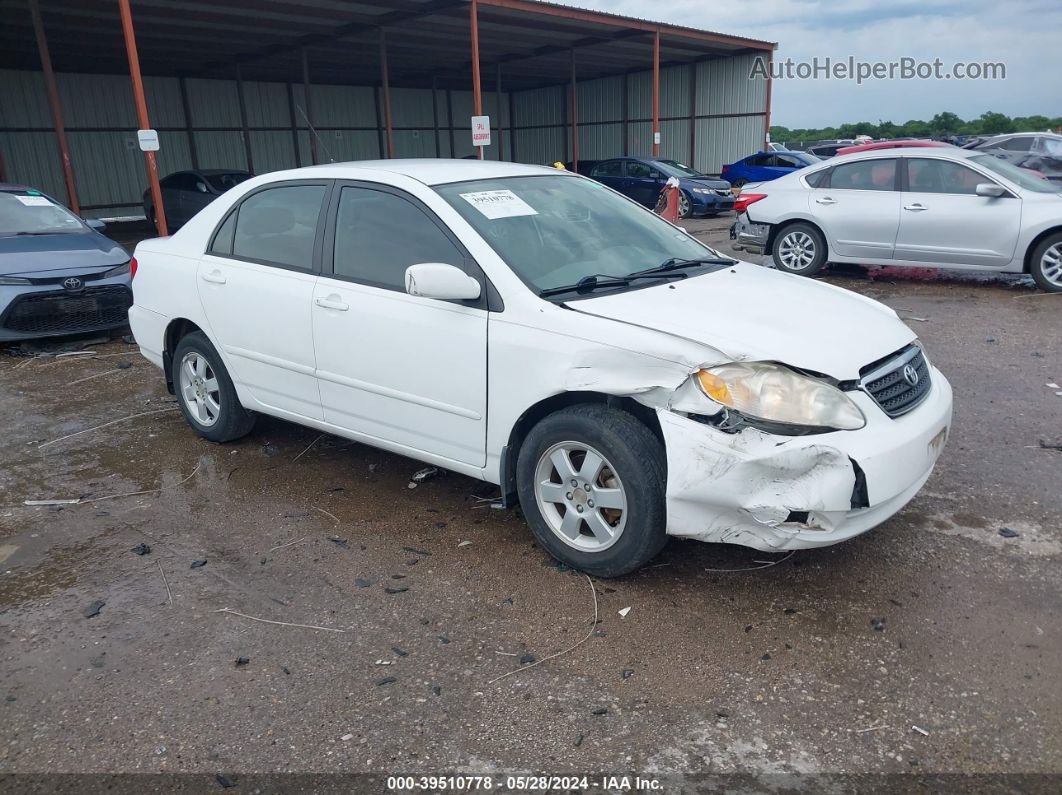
[96, 223]
[990, 190]
[440, 281]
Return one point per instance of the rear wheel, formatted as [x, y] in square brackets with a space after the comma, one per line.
[800, 249]
[591, 484]
[1045, 265]
[739, 183]
[205, 392]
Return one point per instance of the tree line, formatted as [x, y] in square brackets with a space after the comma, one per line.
[943, 125]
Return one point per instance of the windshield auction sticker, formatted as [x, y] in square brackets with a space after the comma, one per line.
[499, 204]
[34, 201]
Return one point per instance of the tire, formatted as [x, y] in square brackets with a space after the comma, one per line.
[205, 392]
[630, 477]
[800, 249]
[684, 198]
[1045, 265]
[739, 183]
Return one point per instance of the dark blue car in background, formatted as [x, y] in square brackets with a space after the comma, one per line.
[58, 274]
[642, 179]
[765, 166]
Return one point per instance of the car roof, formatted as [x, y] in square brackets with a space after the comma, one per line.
[950, 152]
[433, 171]
[11, 187]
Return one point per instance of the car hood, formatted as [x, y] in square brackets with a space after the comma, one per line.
[707, 182]
[26, 255]
[753, 313]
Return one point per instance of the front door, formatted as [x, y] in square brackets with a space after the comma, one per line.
[943, 220]
[858, 207]
[644, 183]
[407, 371]
[256, 285]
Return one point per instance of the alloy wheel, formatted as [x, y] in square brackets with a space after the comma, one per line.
[1051, 264]
[797, 251]
[199, 388]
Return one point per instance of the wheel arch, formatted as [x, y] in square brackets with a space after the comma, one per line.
[1036, 241]
[543, 408]
[177, 329]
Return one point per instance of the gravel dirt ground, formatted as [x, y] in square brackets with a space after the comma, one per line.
[946, 618]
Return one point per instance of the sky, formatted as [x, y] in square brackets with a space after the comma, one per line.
[1023, 34]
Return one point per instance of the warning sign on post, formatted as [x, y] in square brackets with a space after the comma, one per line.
[149, 140]
[481, 131]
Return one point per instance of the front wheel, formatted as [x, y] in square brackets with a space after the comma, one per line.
[739, 183]
[205, 392]
[800, 249]
[685, 205]
[1045, 265]
[591, 484]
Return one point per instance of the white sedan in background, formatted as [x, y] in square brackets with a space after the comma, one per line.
[537, 330]
[948, 208]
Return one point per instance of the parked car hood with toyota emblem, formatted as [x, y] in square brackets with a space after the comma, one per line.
[80, 251]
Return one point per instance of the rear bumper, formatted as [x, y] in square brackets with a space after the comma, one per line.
[749, 236]
[149, 331]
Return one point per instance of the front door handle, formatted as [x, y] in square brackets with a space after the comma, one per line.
[214, 277]
[332, 302]
[915, 208]
[826, 200]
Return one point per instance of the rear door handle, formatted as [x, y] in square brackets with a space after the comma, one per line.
[214, 277]
[826, 200]
[915, 208]
[332, 302]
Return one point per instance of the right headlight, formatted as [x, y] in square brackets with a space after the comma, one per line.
[776, 394]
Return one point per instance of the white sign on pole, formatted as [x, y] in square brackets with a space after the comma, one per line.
[149, 140]
[481, 131]
[656, 138]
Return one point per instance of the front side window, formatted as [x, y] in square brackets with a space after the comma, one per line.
[279, 225]
[760, 160]
[941, 176]
[864, 175]
[379, 235]
[638, 170]
[222, 182]
[554, 230]
[1052, 147]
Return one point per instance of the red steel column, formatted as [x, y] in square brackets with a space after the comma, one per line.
[142, 114]
[385, 81]
[656, 92]
[477, 91]
[57, 110]
[574, 118]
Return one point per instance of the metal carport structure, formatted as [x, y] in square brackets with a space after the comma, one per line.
[280, 83]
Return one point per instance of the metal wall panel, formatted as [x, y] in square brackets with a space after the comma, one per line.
[725, 86]
[411, 107]
[722, 141]
[640, 95]
[600, 141]
[343, 106]
[213, 103]
[538, 107]
[272, 151]
[675, 140]
[32, 158]
[267, 105]
[220, 149]
[541, 146]
[640, 139]
[601, 100]
[23, 100]
[674, 91]
[414, 143]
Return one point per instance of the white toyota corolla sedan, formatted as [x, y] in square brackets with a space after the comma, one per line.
[534, 329]
[923, 207]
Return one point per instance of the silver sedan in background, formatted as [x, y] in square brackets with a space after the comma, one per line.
[948, 208]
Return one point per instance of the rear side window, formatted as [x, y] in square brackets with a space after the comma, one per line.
[379, 235]
[819, 179]
[1019, 144]
[612, 168]
[864, 175]
[278, 226]
[223, 237]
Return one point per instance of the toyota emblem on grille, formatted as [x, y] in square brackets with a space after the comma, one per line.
[73, 283]
[910, 375]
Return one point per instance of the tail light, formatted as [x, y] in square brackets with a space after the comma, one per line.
[132, 268]
[725, 169]
[745, 199]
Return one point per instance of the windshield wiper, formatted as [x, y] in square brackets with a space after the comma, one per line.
[677, 262]
[594, 282]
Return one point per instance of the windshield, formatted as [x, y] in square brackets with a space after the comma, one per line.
[34, 214]
[1022, 177]
[222, 182]
[675, 169]
[554, 230]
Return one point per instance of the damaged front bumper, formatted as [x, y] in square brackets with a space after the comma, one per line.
[749, 236]
[774, 492]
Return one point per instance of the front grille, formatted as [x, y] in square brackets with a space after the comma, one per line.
[94, 309]
[888, 381]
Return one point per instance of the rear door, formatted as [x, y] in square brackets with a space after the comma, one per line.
[610, 173]
[944, 221]
[406, 371]
[256, 284]
[644, 183]
[858, 206]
